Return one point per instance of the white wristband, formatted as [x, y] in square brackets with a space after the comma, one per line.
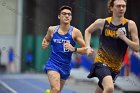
[87, 47]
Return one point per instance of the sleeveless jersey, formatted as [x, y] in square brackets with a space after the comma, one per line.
[59, 55]
[111, 49]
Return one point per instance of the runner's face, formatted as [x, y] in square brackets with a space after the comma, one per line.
[119, 8]
[65, 16]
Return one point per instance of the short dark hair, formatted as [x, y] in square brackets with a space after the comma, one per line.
[64, 7]
[111, 4]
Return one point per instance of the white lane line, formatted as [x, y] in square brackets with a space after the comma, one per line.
[8, 87]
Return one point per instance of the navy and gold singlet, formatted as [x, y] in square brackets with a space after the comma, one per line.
[111, 49]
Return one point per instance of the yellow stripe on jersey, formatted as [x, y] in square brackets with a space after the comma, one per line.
[109, 19]
[124, 21]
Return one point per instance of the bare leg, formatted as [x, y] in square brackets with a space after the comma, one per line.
[127, 70]
[108, 84]
[98, 90]
[62, 82]
[54, 79]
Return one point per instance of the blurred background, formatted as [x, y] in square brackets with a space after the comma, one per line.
[24, 23]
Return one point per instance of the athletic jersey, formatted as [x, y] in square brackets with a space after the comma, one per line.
[59, 55]
[111, 49]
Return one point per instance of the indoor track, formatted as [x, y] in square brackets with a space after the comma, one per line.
[28, 83]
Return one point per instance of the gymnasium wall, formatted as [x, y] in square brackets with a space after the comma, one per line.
[7, 27]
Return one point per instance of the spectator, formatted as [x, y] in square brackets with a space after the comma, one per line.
[11, 65]
[29, 60]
